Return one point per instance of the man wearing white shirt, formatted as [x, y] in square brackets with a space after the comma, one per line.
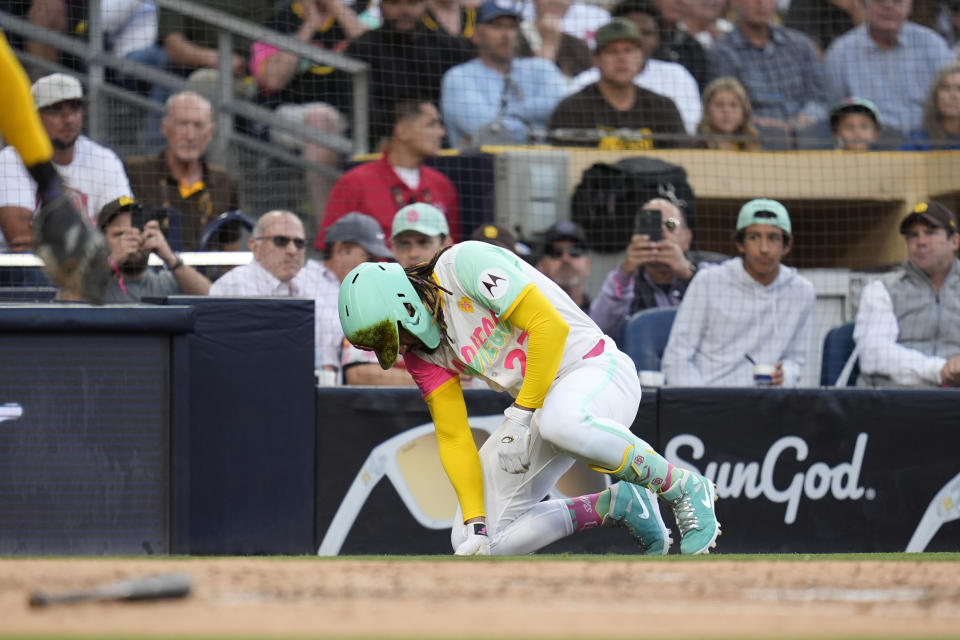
[908, 324]
[93, 174]
[280, 269]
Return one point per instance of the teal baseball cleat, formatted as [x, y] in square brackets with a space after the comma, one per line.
[692, 497]
[635, 509]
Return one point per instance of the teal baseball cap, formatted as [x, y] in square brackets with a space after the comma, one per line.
[420, 217]
[764, 211]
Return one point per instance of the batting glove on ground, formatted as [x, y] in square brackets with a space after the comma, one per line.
[514, 439]
[477, 543]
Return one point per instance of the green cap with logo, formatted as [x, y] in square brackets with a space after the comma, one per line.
[764, 211]
[420, 217]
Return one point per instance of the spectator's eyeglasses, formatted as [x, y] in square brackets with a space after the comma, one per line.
[281, 242]
[557, 252]
[671, 224]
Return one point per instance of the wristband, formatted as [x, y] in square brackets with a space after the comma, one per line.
[176, 265]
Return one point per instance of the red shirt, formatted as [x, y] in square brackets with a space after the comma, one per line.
[375, 189]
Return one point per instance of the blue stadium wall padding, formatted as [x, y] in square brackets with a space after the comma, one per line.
[243, 451]
[64, 318]
[820, 470]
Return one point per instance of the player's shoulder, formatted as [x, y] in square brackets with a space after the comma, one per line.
[476, 254]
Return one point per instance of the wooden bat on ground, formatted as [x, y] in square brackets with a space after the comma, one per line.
[156, 587]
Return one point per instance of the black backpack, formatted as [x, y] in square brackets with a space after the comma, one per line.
[608, 197]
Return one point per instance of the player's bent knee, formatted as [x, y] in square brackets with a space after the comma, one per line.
[560, 428]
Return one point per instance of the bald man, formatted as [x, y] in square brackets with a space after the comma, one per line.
[179, 180]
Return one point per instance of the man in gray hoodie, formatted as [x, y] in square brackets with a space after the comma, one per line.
[746, 311]
[908, 323]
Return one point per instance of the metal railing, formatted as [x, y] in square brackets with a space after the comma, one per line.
[227, 105]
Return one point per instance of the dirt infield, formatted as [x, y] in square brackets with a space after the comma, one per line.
[563, 597]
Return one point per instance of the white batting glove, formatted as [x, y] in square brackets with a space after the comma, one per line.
[514, 438]
[477, 543]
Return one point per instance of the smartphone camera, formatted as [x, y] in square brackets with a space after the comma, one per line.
[648, 223]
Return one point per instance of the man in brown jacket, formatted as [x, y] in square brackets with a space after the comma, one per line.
[178, 180]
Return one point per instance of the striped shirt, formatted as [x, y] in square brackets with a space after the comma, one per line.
[783, 79]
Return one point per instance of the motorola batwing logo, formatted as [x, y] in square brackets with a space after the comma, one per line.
[493, 284]
[10, 411]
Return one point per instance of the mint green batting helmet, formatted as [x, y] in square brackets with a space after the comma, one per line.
[373, 299]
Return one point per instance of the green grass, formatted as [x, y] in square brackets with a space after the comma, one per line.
[526, 636]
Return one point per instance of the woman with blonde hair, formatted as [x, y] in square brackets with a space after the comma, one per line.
[727, 117]
[941, 113]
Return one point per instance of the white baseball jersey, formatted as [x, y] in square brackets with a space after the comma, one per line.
[486, 281]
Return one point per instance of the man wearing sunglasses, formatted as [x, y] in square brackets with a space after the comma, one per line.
[280, 269]
[653, 273]
[565, 261]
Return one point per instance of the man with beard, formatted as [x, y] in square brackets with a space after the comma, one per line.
[74, 255]
[93, 175]
[130, 248]
[565, 261]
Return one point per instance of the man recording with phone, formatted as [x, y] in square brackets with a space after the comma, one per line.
[656, 268]
[132, 235]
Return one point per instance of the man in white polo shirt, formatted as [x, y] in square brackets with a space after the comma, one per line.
[93, 174]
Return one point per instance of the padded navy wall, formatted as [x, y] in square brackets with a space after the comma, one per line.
[244, 427]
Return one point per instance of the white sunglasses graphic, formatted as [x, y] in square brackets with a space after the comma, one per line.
[10, 411]
[411, 461]
[945, 507]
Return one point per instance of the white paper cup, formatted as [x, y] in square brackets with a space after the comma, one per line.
[763, 375]
[326, 378]
[651, 378]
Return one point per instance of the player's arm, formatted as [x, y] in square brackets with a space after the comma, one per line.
[17, 226]
[458, 452]
[547, 333]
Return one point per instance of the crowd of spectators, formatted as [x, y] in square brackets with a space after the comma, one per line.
[739, 75]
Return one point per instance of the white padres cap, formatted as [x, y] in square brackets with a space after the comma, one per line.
[57, 87]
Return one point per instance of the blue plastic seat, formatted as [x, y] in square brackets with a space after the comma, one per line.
[838, 346]
[645, 336]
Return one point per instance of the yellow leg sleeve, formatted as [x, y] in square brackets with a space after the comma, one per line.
[19, 121]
